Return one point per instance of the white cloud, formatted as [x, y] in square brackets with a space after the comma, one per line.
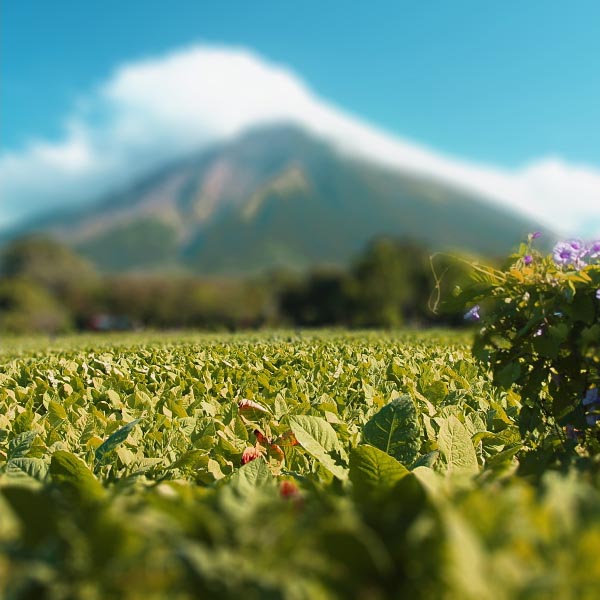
[158, 109]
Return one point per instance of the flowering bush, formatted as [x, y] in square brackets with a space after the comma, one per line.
[540, 330]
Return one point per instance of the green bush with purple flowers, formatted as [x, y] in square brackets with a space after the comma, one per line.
[539, 330]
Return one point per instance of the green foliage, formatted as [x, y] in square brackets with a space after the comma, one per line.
[48, 264]
[395, 430]
[391, 284]
[319, 439]
[121, 472]
[456, 446]
[540, 332]
[114, 440]
[322, 297]
[373, 471]
[182, 301]
[25, 307]
[46, 287]
[71, 473]
[143, 243]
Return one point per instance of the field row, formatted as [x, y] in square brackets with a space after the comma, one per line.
[286, 465]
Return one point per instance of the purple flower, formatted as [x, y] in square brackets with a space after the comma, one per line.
[594, 249]
[539, 331]
[528, 259]
[473, 314]
[578, 246]
[598, 293]
[535, 235]
[570, 253]
[564, 254]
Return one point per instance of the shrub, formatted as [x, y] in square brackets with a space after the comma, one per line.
[540, 331]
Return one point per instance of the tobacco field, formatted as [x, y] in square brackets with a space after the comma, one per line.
[293, 465]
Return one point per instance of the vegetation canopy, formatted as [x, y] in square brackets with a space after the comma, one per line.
[283, 465]
[540, 331]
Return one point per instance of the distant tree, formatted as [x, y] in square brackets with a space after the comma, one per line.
[391, 284]
[320, 299]
[46, 262]
[59, 271]
[26, 307]
[171, 301]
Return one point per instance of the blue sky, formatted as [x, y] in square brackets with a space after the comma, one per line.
[500, 97]
[497, 81]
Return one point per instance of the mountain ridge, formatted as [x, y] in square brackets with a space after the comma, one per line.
[275, 197]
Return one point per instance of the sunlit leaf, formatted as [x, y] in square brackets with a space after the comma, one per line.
[395, 429]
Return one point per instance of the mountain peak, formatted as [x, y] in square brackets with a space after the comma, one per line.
[276, 196]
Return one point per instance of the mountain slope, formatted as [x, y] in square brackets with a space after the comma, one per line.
[276, 197]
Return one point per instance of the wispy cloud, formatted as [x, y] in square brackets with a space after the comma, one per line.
[152, 111]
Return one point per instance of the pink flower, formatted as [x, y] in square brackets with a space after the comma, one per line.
[251, 453]
[288, 489]
[245, 405]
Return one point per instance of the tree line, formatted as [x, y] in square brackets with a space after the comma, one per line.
[47, 287]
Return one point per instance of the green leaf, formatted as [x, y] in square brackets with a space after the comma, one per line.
[251, 476]
[508, 374]
[317, 428]
[372, 470]
[114, 399]
[20, 445]
[591, 335]
[190, 460]
[582, 309]
[395, 430]
[436, 392]
[73, 475]
[56, 413]
[559, 332]
[465, 557]
[118, 437]
[427, 460]
[214, 468]
[32, 467]
[36, 513]
[143, 465]
[505, 456]
[456, 447]
[318, 438]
